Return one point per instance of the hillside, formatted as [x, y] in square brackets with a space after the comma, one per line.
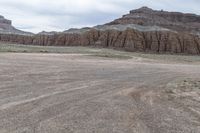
[143, 29]
[7, 28]
[176, 21]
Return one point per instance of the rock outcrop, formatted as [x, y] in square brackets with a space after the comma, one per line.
[132, 32]
[7, 28]
[5, 24]
[130, 40]
[172, 20]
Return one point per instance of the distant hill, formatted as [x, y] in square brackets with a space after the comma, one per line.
[7, 28]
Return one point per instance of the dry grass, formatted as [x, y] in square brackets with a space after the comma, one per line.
[99, 52]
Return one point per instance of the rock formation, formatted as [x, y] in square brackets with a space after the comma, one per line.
[5, 24]
[170, 20]
[143, 30]
[7, 28]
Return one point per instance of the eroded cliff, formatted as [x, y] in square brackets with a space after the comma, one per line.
[133, 32]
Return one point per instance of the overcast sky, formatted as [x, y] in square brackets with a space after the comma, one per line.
[59, 15]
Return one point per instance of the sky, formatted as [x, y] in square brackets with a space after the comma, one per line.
[60, 15]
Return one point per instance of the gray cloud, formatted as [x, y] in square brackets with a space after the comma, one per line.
[38, 15]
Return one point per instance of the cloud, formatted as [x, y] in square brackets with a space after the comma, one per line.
[38, 15]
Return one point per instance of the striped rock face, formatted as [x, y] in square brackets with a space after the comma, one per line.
[143, 30]
[172, 20]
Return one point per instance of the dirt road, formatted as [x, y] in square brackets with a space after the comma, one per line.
[71, 93]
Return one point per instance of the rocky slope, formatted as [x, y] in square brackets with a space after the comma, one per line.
[7, 28]
[143, 30]
[5, 24]
[171, 20]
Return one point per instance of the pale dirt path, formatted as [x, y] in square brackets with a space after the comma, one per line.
[52, 93]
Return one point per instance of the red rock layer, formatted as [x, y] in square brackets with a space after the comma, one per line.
[130, 40]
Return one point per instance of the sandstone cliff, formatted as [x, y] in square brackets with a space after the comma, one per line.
[130, 40]
[128, 34]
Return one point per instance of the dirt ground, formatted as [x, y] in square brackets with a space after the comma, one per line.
[74, 93]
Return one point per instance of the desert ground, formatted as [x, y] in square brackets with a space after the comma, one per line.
[90, 90]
